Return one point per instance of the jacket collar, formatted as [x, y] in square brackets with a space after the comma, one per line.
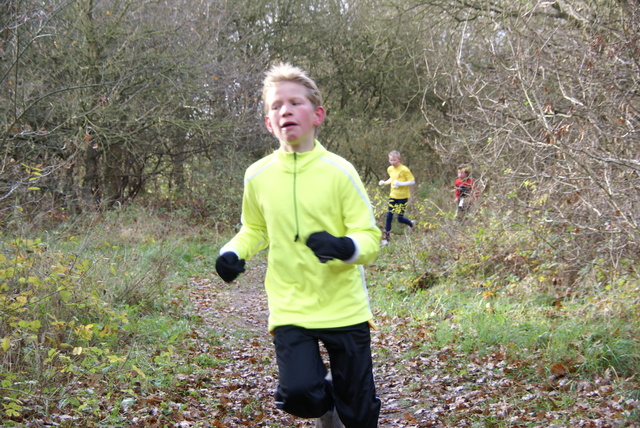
[297, 162]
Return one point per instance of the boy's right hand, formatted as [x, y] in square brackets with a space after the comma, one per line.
[229, 266]
[328, 247]
[381, 183]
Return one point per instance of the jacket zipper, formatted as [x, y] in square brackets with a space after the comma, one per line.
[295, 200]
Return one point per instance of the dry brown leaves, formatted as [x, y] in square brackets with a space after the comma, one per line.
[227, 372]
[443, 388]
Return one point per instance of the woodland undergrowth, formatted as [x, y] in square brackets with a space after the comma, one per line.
[95, 310]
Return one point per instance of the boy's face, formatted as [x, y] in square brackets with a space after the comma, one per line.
[394, 161]
[462, 173]
[291, 117]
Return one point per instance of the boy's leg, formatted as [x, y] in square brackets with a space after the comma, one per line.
[387, 226]
[402, 219]
[400, 208]
[302, 388]
[349, 351]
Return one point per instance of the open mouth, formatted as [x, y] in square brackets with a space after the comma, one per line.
[287, 125]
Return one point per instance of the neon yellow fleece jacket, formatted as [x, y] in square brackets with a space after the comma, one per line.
[287, 197]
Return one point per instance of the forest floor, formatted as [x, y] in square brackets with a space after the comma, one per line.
[223, 374]
[439, 389]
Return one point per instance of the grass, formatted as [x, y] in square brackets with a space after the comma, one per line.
[103, 296]
[495, 295]
[107, 296]
[492, 287]
[463, 318]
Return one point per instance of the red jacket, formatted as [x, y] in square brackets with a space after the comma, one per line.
[464, 188]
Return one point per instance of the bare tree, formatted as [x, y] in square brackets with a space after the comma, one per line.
[544, 97]
[102, 99]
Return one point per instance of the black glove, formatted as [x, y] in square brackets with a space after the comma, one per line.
[327, 247]
[229, 266]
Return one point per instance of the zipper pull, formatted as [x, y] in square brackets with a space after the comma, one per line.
[295, 199]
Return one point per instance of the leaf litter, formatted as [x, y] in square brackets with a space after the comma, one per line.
[225, 375]
[443, 388]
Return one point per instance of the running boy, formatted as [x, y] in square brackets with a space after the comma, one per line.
[310, 208]
[464, 189]
[400, 178]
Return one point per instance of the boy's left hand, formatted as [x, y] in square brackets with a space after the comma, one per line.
[328, 247]
[229, 266]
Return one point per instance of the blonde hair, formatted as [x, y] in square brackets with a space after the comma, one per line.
[465, 167]
[285, 72]
[395, 154]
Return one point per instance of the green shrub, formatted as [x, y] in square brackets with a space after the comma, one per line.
[504, 282]
[87, 299]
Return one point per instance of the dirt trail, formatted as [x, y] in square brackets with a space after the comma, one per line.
[238, 313]
[443, 389]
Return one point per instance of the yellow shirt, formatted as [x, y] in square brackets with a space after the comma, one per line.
[400, 173]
